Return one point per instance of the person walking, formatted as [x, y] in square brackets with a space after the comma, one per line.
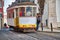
[5, 24]
[38, 20]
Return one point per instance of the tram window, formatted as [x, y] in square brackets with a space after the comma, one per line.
[34, 11]
[13, 14]
[22, 11]
[28, 11]
[32, 1]
[0, 14]
[18, 1]
[25, 0]
[9, 15]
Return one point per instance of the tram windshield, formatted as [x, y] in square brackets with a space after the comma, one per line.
[22, 11]
[27, 11]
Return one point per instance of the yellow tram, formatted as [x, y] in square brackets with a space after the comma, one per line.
[22, 16]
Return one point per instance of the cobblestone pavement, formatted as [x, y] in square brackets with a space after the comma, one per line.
[10, 35]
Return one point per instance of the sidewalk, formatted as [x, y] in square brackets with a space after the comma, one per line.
[48, 30]
[7, 29]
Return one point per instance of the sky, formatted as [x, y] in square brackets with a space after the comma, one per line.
[6, 4]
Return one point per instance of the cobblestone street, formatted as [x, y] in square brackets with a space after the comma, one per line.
[10, 35]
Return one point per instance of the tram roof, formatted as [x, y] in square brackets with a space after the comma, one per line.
[19, 4]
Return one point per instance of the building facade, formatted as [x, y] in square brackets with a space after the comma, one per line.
[1, 7]
[51, 13]
[1, 12]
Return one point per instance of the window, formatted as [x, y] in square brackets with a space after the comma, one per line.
[25, 0]
[28, 11]
[13, 14]
[28, 0]
[46, 22]
[0, 15]
[9, 15]
[34, 11]
[18, 1]
[22, 11]
[32, 1]
[0, 4]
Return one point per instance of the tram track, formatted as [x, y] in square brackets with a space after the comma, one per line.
[33, 36]
[27, 34]
[36, 36]
[12, 35]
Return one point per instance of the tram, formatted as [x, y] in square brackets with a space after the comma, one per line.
[22, 17]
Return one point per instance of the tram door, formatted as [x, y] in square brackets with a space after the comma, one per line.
[17, 18]
[19, 13]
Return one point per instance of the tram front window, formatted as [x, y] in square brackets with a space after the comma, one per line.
[28, 11]
[34, 11]
[22, 11]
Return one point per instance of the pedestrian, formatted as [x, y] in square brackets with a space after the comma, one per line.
[38, 20]
[5, 24]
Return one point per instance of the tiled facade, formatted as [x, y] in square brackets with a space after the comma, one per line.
[1, 7]
[1, 13]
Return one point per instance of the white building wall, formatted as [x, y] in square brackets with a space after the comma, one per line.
[50, 13]
[58, 12]
[45, 14]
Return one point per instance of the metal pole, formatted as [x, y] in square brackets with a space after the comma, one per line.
[42, 26]
[51, 27]
[1, 23]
